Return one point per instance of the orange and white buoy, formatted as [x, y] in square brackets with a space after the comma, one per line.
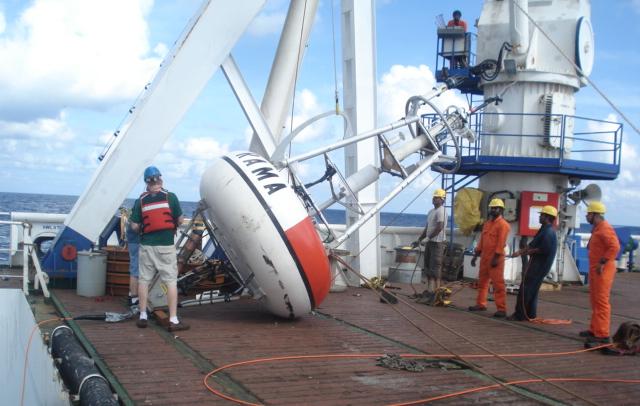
[266, 233]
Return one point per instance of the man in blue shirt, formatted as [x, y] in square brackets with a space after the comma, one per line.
[542, 250]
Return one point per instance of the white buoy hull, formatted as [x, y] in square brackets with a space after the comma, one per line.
[266, 233]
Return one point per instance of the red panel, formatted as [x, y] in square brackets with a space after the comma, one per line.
[530, 205]
[313, 258]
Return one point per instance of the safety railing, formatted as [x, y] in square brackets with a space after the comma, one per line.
[580, 146]
[28, 249]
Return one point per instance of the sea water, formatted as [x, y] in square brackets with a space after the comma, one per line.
[41, 203]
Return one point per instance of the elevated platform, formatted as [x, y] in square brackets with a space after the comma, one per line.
[455, 56]
[476, 165]
[573, 146]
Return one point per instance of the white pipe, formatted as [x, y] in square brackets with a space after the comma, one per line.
[413, 145]
[37, 217]
[356, 182]
[412, 118]
[372, 133]
[426, 164]
[261, 129]
[279, 92]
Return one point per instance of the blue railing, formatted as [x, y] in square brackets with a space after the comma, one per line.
[578, 146]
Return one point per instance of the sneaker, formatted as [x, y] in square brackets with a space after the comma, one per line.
[132, 301]
[500, 314]
[178, 327]
[141, 323]
[585, 333]
[477, 308]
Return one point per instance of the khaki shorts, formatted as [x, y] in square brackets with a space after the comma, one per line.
[433, 257]
[161, 259]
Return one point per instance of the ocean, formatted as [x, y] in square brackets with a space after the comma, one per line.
[31, 202]
[41, 203]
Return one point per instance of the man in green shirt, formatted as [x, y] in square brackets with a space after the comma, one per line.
[157, 215]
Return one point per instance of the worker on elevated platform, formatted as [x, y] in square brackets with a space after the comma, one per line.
[158, 214]
[457, 21]
[603, 248]
[434, 232]
[490, 248]
[458, 61]
[542, 250]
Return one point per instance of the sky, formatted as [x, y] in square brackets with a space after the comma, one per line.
[72, 69]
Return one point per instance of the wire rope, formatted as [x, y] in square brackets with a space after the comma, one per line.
[462, 336]
[335, 68]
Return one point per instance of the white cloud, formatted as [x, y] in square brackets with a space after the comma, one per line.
[618, 193]
[42, 128]
[306, 107]
[267, 23]
[395, 88]
[609, 124]
[70, 53]
[402, 82]
[161, 50]
[105, 138]
[203, 148]
[10, 146]
[188, 158]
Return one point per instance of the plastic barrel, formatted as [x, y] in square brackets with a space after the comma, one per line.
[92, 273]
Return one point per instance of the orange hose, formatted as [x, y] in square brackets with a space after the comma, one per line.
[26, 355]
[359, 356]
[521, 382]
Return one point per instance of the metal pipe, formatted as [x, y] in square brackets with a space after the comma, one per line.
[280, 86]
[426, 164]
[372, 133]
[356, 182]
[411, 146]
[410, 119]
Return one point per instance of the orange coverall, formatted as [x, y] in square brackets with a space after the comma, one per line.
[603, 244]
[492, 241]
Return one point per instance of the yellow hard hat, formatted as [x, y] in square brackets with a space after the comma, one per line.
[496, 203]
[440, 193]
[596, 207]
[550, 210]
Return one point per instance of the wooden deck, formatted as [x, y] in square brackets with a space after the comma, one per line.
[153, 367]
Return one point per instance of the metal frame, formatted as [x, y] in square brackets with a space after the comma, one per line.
[29, 250]
[473, 162]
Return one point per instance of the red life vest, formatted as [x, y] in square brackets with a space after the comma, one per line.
[156, 215]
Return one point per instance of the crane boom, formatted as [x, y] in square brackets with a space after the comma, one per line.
[203, 46]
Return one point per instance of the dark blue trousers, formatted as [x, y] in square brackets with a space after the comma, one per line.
[527, 302]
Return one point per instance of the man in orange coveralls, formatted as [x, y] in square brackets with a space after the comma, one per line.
[491, 250]
[603, 249]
